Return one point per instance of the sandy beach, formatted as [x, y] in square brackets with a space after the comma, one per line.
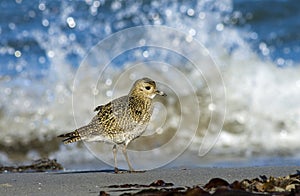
[92, 182]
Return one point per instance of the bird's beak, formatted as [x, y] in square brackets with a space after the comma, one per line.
[160, 93]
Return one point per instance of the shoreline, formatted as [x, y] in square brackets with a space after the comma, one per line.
[92, 182]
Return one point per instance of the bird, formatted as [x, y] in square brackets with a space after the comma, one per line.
[121, 120]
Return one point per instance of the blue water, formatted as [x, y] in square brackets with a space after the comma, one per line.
[255, 43]
[274, 23]
[269, 24]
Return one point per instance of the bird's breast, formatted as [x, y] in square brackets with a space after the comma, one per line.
[140, 111]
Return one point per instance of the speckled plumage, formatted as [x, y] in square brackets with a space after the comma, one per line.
[121, 120]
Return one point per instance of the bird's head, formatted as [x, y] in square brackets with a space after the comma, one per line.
[145, 87]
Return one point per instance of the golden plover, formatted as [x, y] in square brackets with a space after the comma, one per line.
[121, 120]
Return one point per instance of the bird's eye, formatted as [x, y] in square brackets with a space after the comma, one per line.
[148, 88]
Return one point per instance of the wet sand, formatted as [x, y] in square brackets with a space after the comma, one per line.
[92, 182]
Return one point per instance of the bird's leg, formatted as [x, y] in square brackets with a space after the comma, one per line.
[115, 150]
[126, 157]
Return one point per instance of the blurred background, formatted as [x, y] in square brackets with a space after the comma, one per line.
[256, 45]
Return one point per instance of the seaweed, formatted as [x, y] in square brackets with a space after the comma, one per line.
[283, 186]
[40, 165]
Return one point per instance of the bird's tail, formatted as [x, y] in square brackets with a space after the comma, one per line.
[70, 137]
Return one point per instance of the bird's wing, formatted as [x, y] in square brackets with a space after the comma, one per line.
[109, 115]
[103, 125]
[115, 107]
[98, 108]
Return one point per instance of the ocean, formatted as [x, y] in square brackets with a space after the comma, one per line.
[230, 68]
